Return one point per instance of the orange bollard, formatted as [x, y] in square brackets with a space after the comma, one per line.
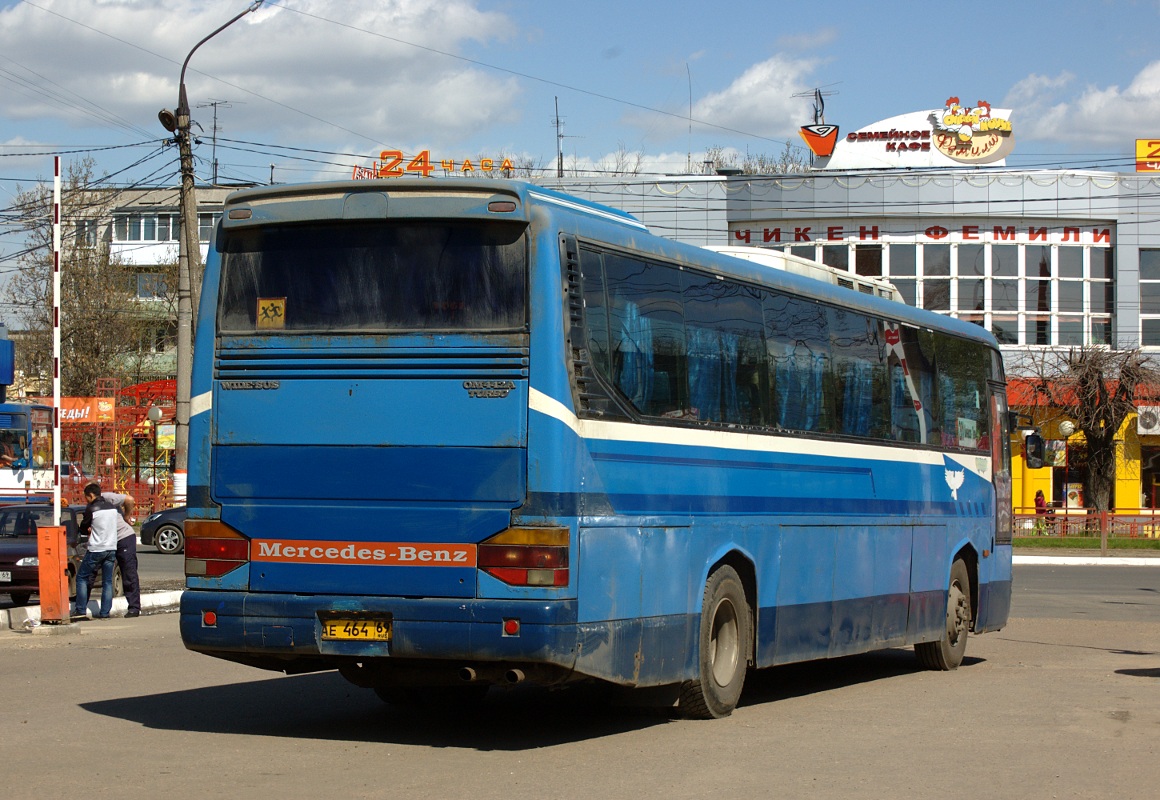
[52, 547]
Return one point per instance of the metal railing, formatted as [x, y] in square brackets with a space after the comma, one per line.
[1143, 523]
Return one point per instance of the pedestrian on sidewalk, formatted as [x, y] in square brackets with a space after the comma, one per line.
[100, 523]
[127, 550]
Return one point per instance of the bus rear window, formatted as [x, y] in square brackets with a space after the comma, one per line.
[367, 277]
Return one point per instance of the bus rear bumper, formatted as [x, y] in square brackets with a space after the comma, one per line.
[284, 631]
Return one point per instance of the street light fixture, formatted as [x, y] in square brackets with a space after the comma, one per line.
[188, 261]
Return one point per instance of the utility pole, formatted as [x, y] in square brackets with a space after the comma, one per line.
[213, 131]
[188, 261]
[559, 141]
[560, 137]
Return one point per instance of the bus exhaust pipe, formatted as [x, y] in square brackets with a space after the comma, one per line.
[514, 676]
[468, 674]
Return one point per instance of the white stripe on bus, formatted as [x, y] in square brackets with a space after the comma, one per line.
[200, 404]
[661, 434]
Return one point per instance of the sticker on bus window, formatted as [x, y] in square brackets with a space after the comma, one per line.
[271, 313]
[968, 430]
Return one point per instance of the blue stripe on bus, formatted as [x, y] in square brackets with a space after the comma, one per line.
[580, 504]
[715, 463]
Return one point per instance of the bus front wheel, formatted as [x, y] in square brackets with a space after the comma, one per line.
[725, 643]
[947, 652]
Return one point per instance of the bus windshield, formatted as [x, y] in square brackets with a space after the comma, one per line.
[373, 277]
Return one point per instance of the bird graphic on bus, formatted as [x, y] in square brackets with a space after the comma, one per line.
[955, 479]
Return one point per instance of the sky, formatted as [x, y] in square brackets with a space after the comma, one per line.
[306, 90]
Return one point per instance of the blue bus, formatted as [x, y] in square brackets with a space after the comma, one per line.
[452, 434]
[26, 451]
[26, 471]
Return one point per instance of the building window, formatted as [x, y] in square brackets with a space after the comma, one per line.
[145, 228]
[836, 256]
[150, 286]
[868, 260]
[87, 233]
[936, 289]
[902, 267]
[1149, 297]
[206, 224]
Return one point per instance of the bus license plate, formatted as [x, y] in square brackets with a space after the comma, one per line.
[6, 576]
[357, 630]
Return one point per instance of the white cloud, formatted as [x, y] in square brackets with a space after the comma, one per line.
[760, 101]
[381, 73]
[1095, 116]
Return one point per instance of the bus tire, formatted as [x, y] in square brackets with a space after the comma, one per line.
[723, 652]
[947, 652]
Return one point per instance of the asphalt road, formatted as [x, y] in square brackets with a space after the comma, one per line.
[1062, 703]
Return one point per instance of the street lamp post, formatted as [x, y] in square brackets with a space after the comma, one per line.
[188, 259]
[154, 414]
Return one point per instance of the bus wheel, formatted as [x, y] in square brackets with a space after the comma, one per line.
[726, 634]
[947, 652]
[433, 698]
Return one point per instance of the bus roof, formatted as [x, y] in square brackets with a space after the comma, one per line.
[779, 259]
[474, 198]
[460, 196]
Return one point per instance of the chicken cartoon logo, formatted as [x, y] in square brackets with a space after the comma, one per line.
[971, 135]
[955, 479]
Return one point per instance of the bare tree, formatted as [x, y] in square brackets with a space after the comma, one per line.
[791, 159]
[1097, 389]
[524, 167]
[103, 332]
[622, 162]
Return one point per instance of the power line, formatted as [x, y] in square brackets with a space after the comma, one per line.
[530, 77]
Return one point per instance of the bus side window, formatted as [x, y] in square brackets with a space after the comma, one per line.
[798, 347]
[962, 376]
[595, 311]
[858, 375]
[724, 340]
[646, 333]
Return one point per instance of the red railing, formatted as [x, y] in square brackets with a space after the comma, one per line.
[1143, 523]
[149, 498]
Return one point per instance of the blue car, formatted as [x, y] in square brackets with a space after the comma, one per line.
[165, 530]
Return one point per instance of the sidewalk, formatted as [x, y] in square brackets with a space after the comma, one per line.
[151, 602]
[1087, 560]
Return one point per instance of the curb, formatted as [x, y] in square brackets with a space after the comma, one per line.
[1088, 561]
[15, 618]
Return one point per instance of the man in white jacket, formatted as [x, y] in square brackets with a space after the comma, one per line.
[100, 522]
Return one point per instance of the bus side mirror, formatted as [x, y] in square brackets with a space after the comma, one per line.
[1034, 451]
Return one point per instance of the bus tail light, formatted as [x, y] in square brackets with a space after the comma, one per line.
[213, 548]
[526, 556]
